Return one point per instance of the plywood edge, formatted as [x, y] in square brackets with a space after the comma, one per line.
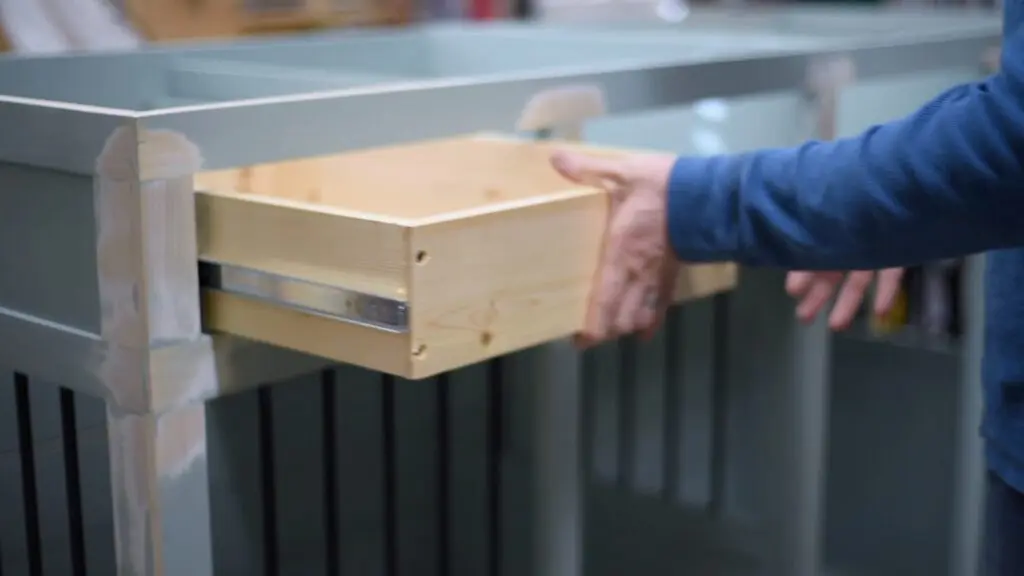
[230, 194]
[370, 348]
[507, 206]
[498, 282]
[356, 253]
[552, 146]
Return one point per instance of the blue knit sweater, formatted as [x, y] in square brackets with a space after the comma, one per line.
[943, 182]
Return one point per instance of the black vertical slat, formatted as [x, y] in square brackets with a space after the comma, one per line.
[673, 410]
[330, 470]
[627, 411]
[443, 471]
[522, 9]
[495, 449]
[387, 420]
[719, 399]
[30, 497]
[72, 481]
[588, 409]
[268, 485]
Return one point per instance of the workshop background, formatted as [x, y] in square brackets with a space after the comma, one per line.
[341, 473]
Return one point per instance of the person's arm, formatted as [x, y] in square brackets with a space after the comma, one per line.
[945, 181]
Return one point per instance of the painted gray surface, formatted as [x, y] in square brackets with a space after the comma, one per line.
[891, 466]
[141, 80]
[892, 458]
[49, 217]
[84, 80]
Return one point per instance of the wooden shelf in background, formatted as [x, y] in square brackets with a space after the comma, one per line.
[166, 20]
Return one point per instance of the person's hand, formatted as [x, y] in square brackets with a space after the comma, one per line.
[815, 289]
[636, 274]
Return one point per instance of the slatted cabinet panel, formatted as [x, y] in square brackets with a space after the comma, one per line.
[54, 481]
[338, 472]
[350, 472]
[347, 471]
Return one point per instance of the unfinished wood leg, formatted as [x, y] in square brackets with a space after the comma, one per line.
[161, 492]
[157, 365]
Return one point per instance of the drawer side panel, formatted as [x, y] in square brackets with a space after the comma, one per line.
[351, 252]
[304, 332]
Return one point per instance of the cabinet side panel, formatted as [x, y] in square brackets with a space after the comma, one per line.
[48, 246]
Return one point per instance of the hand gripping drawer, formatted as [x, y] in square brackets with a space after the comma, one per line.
[410, 260]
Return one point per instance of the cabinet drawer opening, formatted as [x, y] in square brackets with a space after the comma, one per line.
[412, 259]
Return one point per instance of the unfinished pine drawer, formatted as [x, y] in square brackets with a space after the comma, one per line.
[411, 260]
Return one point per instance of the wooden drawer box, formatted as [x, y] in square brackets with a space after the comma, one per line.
[411, 260]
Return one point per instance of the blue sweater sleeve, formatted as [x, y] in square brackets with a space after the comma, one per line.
[945, 181]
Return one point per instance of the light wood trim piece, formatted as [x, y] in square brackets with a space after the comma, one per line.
[355, 253]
